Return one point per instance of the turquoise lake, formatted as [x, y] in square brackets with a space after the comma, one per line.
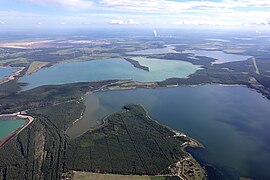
[9, 126]
[109, 69]
[220, 56]
[6, 71]
[232, 122]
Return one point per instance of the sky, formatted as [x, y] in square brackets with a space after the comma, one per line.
[139, 13]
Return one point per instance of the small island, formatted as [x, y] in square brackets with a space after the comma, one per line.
[136, 64]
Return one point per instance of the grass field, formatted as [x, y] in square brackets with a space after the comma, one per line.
[87, 176]
[79, 175]
[34, 66]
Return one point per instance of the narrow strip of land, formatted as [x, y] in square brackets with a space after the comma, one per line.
[12, 76]
[35, 66]
[255, 66]
[28, 119]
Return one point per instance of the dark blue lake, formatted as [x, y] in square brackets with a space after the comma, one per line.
[232, 122]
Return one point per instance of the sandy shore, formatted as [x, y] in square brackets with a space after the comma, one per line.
[12, 76]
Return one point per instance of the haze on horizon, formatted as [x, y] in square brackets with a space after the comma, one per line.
[134, 13]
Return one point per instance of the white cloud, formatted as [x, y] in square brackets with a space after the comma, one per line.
[267, 21]
[168, 6]
[2, 22]
[149, 12]
[200, 12]
[131, 21]
[117, 22]
[178, 23]
[70, 4]
[122, 22]
[151, 5]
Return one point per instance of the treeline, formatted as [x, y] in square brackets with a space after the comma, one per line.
[129, 143]
[34, 154]
[39, 151]
[46, 95]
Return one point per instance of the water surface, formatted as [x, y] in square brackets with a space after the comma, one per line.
[109, 69]
[220, 56]
[165, 50]
[232, 122]
[6, 71]
[9, 125]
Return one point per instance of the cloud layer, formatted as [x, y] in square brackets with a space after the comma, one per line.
[154, 6]
[146, 12]
[69, 4]
[123, 22]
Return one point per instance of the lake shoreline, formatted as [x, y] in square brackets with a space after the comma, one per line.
[132, 85]
[175, 168]
[16, 116]
[12, 76]
[188, 157]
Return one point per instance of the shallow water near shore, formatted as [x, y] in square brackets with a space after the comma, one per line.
[232, 122]
[6, 71]
[8, 126]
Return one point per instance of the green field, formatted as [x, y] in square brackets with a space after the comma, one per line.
[77, 175]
